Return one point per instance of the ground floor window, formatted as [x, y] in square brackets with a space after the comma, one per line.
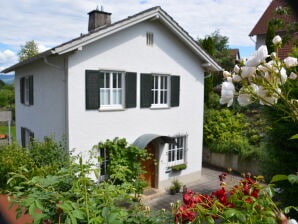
[26, 136]
[177, 151]
[104, 155]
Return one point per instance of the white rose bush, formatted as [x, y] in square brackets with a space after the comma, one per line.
[264, 79]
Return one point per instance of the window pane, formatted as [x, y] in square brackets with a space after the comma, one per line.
[107, 80]
[117, 96]
[104, 96]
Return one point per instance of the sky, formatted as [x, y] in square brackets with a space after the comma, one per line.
[52, 22]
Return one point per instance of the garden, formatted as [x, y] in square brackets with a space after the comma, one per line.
[54, 186]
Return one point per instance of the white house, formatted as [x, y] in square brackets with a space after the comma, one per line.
[141, 78]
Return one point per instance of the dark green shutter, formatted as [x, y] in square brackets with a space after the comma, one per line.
[175, 91]
[92, 90]
[130, 89]
[22, 90]
[146, 93]
[31, 101]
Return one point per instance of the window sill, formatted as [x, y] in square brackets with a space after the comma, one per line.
[157, 107]
[120, 108]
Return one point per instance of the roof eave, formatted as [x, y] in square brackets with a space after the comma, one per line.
[27, 61]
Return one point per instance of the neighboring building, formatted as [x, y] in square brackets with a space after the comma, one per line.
[260, 29]
[141, 78]
[235, 54]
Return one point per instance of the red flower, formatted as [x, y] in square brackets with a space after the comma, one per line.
[184, 215]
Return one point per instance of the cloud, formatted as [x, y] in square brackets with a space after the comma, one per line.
[7, 57]
[57, 21]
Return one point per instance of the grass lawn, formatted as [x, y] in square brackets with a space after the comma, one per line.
[4, 130]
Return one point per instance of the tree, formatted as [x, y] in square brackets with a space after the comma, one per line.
[269, 36]
[28, 50]
[217, 46]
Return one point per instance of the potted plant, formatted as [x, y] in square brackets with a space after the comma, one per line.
[176, 185]
[172, 190]
[179, 167]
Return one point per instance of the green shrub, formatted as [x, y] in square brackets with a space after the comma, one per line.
[48, 152]
[125, 162]
[227, 132]
[40, 158]
[12, 157]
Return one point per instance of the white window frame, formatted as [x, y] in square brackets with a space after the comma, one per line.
[160, 91]
[176, 154]
[109, 98]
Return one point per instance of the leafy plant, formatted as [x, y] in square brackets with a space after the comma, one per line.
[125, 159]
[72, 196]
[247, 202]
[179, 167]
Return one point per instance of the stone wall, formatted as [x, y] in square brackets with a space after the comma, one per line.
[233, 161]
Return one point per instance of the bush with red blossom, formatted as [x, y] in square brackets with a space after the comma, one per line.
[249, 201]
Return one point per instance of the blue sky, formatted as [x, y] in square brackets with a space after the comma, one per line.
[53, 22]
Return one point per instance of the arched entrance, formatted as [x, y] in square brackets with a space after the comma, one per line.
[151, 143]
[150, 167]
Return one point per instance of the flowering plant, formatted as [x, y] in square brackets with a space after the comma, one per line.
[249, 201]
[265, 79]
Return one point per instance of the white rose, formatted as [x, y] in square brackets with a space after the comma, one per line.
[236, 78]
[226, 74]
[283, 74]
[259, 56]
[276, 40]
[236, 69]
[247, 71]
[291, 62]
[292, 221]
[273, 55]
[244, 99]
[293, 76]
[227, 93]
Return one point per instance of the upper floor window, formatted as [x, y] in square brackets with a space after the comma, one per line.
[26, 90]
[160, 91]
[110, 89]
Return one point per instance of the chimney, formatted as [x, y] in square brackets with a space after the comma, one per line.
[98, 19]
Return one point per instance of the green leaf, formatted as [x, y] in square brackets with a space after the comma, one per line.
[293, 179]
[78, 214]
[279, 177]
[210, 220]
[294, 136]
[230, 213]
[32, 209]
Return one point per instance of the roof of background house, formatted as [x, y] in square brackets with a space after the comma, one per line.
[262, 24]
[151, 13]
[235, 53]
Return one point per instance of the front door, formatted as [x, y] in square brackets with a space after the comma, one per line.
[149, 167]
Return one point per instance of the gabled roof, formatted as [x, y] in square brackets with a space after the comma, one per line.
[262, 24]
[153, 13]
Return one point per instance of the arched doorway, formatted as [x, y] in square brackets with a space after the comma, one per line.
[152, 143]
[149, 166]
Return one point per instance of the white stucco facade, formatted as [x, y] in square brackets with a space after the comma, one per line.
[47, 116]
[59, 107]
[130, 53]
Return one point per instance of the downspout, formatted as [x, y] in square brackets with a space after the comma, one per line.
[65, 72]
[45, 59]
